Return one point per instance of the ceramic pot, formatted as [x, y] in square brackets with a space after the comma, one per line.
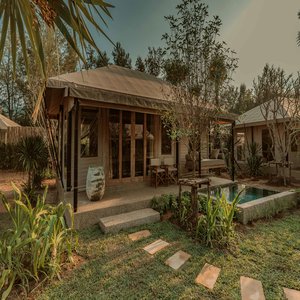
[95, 183]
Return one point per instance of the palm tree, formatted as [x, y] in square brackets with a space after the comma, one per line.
[73, 18]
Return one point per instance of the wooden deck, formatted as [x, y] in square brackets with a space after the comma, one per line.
[122, 199]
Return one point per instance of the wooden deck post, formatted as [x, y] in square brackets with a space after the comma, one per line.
[76, 141]
[232, 151]
[69, 151]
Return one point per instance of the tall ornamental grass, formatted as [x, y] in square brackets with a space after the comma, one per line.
[37, 245]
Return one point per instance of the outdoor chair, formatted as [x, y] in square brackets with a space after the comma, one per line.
[158, 174]
[171, 170]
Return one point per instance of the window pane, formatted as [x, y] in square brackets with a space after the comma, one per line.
[89, 133]
[166, 143]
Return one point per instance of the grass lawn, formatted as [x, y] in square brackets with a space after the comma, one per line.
[117, 268]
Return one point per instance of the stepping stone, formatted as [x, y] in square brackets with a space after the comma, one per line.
[156, 246]
[208, 276]
[139, 235]
[251, 289]
[177, 260]
[291, 294]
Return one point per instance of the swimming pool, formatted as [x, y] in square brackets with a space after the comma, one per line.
[249, 193]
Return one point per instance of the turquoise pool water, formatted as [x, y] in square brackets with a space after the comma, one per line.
[250, 193]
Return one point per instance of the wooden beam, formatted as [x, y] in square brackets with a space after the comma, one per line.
[120, 145]
[76, 142]
[145, 146]
[69, 151]
[232, 152]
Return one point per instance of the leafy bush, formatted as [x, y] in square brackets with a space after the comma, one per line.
[254, 159]
[164, 203]
[32, 157]
[216, 223]
[37, 245]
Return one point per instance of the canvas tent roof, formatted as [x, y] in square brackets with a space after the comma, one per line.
[6, 122]
[255, 116]
[111, 84]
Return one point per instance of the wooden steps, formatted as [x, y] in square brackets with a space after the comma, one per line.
[134, 218]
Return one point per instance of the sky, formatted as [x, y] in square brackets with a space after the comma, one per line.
[260, 31]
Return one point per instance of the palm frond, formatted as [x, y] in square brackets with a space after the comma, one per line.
[22, 19]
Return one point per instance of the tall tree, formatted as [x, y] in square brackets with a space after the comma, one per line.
[139, 64]
[96, 60]
[245, 101]
[73, 19]
[193, 40]
[175, 71]
[120, 57]
[154, 61]
[279, 95]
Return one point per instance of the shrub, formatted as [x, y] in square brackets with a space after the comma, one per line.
[32, 157]
[164, 203]
[37, 245]
[254, 159]
[216, 224]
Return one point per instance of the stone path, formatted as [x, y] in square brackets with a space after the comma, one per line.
[251, 289]
[291, 294]
[177, 260]
[156, 246]
[139, 235]
[208, 276]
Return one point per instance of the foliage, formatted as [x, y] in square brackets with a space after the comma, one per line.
[175, 70]
[254, 159]
[154, 61]
[19, 91]
[38, 243]
[164, 203]
[73, 19]
[139, 64]
[32, 157]
[193, 42]
[120, 57]
[96, 60]
[215, 225]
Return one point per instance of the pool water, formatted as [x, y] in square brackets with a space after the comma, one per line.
[250, 193]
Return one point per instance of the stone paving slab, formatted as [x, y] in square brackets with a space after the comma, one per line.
[251, 289]
[208, 276]
[291, 294]
[156, 246]
[177, 260]
[139, 235]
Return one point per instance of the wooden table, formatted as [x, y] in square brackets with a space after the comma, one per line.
[195, 184]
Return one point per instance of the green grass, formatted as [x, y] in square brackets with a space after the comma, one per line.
[117, 268]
